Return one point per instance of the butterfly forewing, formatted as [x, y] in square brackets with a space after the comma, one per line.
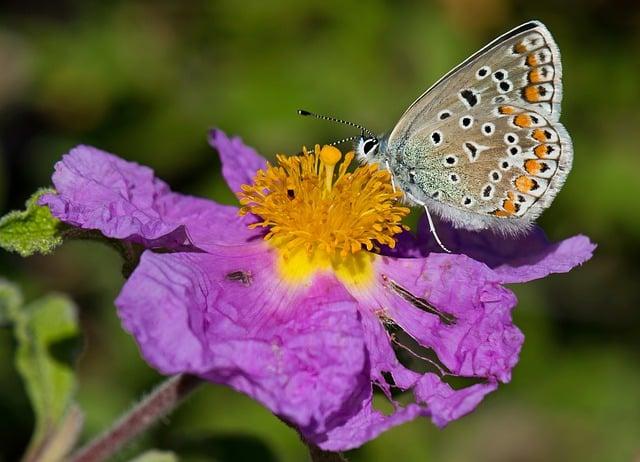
[483, 145]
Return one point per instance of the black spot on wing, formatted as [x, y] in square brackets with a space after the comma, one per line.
[470, 97]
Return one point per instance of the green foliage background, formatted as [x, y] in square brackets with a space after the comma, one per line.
[147, 79]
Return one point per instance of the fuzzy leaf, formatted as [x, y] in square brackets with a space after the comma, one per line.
[30, 231]
[48, 338]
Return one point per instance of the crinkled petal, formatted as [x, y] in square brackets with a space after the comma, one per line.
[515, 259]
[239, 162]
[445, 404]
[471, 330]
[124, 200]
[365, 425]
[432, 396]
[226, 317]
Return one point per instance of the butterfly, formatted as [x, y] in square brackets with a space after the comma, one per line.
[483, 148]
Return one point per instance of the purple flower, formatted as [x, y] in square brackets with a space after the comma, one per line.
[315, 296]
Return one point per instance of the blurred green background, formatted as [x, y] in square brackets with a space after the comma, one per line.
[147, 79]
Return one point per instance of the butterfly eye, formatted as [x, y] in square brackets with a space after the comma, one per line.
[369, 145]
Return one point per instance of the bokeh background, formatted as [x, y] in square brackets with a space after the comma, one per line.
[147, 79]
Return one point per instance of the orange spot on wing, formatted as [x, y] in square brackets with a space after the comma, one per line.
[507, 110]
[534, 76]
[538, 135]
[531, 94]
[509, 206]
[519, 47]
[533, 166]
[541, 151]
[522, 120]
[501, 213]
[532, 60]
[524, 184]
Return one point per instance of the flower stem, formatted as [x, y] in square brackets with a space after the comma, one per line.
[318, 455]
[159, 403]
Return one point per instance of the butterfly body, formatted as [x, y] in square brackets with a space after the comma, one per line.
[483, 147]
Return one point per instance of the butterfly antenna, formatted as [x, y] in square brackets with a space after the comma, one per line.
[344, 140]
[302, 112]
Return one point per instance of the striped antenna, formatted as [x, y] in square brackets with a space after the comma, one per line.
[302, 112]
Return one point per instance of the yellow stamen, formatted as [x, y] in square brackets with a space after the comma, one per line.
[330, 156]
[319, 219]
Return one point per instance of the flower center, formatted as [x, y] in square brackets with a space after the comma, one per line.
[320, 215]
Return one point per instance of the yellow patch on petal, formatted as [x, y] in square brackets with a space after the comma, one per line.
[320, 216]
[299, 267]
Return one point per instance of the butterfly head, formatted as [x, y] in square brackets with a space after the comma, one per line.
[367, 145]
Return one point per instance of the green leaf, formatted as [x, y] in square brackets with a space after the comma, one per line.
[154, 455]
[31, 231]
[48, 340]
[10, 301]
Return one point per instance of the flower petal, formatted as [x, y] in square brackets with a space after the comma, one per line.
[515, 258]
[239, 162]
[469, 323]
[433, 397]
[365, 425]
[445, 404]
[124, 200]
[226, 317]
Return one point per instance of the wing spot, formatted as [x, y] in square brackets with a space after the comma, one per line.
[467, 201]
[511, 138]
[533, 166]
[469, 98]
[522, 120]
[495, 176]
[542, 135]
[472, 150]
[454, 178]
[525, 184]
[514, 150]
[519, 48]
[483, 72]
[505, 86]
[450, 161]
[500, 75]
[506, 110]
[505, 165]
[488, 129]
[540, 74]
[436, 138]
[444, 114]
[466, 122]
[487, 192]
[541, 151]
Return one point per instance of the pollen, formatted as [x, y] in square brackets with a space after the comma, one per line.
[312, 204]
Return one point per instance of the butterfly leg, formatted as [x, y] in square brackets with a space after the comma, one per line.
[388, 167]
[432, 230]
[432, 227]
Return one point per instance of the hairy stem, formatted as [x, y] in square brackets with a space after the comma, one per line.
[151, 409]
